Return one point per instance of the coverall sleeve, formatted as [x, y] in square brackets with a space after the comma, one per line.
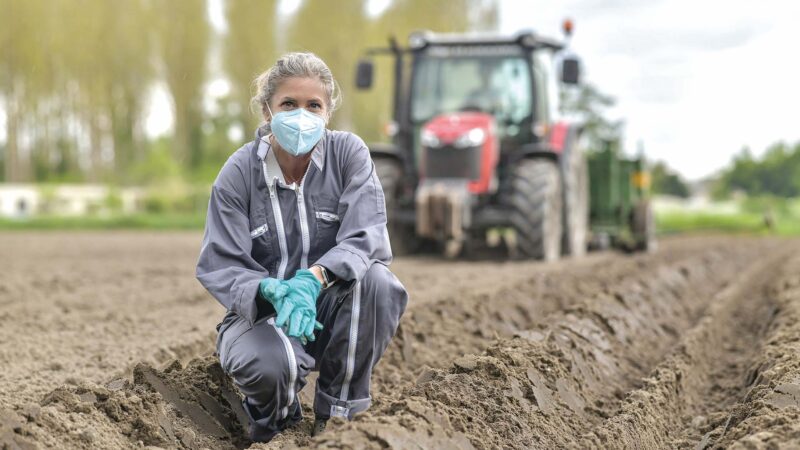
[362, 239]
[226, 267]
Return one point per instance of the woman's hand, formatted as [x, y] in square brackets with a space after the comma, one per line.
[273, 291]
[298, 311]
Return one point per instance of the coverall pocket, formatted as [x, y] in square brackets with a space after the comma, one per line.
[227, 338]
[261, 234]
[327, 221]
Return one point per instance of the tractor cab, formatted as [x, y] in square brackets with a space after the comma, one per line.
[478, 144]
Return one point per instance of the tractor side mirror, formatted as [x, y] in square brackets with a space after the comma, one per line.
[364, 74]
[570, 70]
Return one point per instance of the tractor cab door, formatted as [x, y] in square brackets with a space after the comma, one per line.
[546, 92]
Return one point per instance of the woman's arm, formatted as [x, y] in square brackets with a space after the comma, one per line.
[362, 239]
[226, 267]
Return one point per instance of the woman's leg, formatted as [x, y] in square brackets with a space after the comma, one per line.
[359, 325]
[269, 369]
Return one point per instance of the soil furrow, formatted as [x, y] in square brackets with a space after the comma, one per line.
[689, 393]
[564, 344]
[564, 378]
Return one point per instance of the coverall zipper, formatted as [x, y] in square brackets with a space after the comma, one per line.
[292, 366]
[351, 348]
[301, 211]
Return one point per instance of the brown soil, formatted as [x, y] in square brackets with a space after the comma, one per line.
[107, 341]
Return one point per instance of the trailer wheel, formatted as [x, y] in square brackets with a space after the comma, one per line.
[402, 237]
[643, 226]
[576, 205]
[536, 209]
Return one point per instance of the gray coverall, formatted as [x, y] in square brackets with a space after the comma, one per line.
[257, 226]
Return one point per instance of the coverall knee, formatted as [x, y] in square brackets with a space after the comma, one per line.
[359, 320]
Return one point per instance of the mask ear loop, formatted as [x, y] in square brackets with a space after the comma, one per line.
[269, 124]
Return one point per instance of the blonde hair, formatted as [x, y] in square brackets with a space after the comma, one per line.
[292, 65]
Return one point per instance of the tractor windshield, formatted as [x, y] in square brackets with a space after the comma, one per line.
[500, 86]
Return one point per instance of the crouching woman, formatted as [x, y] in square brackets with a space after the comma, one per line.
[296, 249]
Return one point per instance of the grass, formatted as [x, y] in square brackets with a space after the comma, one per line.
[681, 222]
[170, 221]
[786, 224]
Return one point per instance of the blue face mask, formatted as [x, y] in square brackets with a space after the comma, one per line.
[298, 130]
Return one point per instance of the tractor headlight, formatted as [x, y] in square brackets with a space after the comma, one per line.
[428, 139]
[471, 138]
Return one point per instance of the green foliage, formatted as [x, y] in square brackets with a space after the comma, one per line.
[590, 106]
[777, 173]
[113, 201]
[76, 76]
[182, 35]
[666, 182]
[249, 50]
[175, 196]
[158, 166]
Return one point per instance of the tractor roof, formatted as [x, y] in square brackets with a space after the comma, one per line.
[526, 39]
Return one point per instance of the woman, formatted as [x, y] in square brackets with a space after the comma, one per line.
[296, 249]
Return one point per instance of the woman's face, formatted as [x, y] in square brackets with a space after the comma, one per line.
[299, 92]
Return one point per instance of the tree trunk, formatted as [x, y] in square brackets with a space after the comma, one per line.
[96, 151]
[14, 165]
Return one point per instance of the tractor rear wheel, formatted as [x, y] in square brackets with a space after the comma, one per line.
[576, 205]
[643, 226]
[402, 237]
[536, 208]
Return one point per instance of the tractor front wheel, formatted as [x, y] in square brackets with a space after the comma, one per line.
[401, 236]
[536, 208]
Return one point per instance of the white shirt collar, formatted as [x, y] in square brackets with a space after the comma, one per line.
[274, 169]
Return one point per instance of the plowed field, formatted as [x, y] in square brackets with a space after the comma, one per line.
[107, 341]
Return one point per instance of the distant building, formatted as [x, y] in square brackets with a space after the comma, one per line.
[19, 200]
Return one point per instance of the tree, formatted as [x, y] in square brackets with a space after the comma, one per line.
[666, 182]
[590, 106]
[776, 173]
[311, 30]
[249, 50]
[182, 39]
[22, 71]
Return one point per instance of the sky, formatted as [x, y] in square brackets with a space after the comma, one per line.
[694, 80]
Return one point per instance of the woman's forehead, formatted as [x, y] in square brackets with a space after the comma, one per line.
[301, 87]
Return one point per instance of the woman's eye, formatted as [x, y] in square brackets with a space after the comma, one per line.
[316, 105]
[287, 104]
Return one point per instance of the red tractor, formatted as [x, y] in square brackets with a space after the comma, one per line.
[478, 152]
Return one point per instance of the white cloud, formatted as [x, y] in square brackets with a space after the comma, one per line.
[695, 80]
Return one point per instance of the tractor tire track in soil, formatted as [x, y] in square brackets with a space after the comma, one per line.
[490, 354]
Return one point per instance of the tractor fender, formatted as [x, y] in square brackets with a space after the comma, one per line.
[563, 139]
[537, 150]
[558, 145]
[382, 150]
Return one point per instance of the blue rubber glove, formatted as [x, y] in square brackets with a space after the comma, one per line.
[299, 302]
[308, 325]
[273, 291]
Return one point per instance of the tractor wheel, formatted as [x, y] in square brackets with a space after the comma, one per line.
[576, 205]
[643, 226]
[536, 204]
[402, 237]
